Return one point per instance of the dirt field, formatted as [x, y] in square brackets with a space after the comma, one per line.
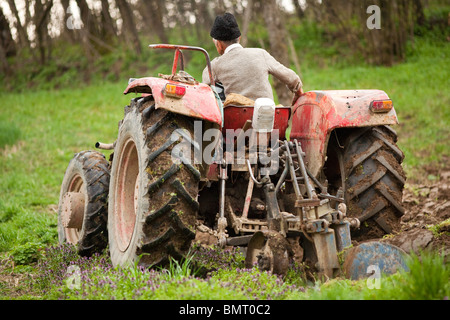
[427, 204]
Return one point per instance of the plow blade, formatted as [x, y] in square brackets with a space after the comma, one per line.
[373, 258]
[270, 251]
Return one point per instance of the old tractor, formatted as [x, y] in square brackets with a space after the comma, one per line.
[286, 183]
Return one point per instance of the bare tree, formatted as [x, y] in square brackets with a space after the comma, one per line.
[90, 24]
[108, 30]
[129, 29]
[68, 32]
[153, 13]
[278, 46]
[419, 13]
[298, 9]
[389, 42]
[205, 14]
[22, 33]
[41, 18]
[246, 23]
[7, 45]
[380, 46]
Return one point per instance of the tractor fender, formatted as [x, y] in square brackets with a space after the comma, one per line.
[317, 113]
[198, 101]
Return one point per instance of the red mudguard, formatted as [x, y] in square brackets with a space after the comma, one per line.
[198, 101]
[317, 113]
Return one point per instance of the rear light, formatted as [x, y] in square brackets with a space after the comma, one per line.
[174, 90]
[381, 106]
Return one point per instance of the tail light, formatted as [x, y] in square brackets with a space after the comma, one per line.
[378, 106]
[174, 90]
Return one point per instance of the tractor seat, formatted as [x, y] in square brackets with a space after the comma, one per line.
[235, 99]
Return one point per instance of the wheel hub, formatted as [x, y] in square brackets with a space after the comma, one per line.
[73, 210]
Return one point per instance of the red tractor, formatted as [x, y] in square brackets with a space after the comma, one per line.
[286, 183]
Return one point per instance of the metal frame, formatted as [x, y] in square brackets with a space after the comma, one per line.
[327, 228]
[179, 55]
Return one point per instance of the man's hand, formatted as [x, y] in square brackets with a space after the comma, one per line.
[297, 95]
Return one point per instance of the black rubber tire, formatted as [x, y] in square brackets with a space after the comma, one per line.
[92, 170]
[165, 192]
[374, 181]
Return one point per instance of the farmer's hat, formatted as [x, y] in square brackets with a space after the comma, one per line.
[225, 28]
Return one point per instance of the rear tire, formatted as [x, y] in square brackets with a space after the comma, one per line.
[374, 181]
[152, 205]
[88, 174]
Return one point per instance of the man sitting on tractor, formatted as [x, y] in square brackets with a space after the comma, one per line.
[245, 71]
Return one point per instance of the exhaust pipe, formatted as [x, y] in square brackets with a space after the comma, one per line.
[105, 146]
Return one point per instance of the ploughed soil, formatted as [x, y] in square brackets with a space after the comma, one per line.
[426, 222]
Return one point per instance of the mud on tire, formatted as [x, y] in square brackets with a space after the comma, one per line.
[374, 180]
[152, 207]
[88, 174]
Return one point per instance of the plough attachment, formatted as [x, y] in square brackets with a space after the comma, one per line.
[322, 228]
[373, 258]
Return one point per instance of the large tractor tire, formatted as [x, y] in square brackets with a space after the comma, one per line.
[82, 209]
[374, 181]
[152, 197]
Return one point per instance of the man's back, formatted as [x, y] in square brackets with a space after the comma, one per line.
[246, 70]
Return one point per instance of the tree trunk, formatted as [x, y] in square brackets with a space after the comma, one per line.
[89, 21]
[129, 27]
[7, 44]
[3, 61]
[6, 39]
[23, 38]
[246, 22]
[68, 32]
[206, 12]
[298, 9]
[278, 46]
[42, 13]
[418, 12]
[22, 35]
[154, 14]
[108, 26]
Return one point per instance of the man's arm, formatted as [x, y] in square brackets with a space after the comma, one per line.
[282, 73]
[205, 76]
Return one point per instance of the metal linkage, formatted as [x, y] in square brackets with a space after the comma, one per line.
[309, 189]
[222, 222]
[290, 163]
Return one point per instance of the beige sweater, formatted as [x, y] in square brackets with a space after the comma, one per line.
[246, 71]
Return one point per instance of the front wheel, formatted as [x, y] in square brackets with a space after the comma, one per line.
[82, 209]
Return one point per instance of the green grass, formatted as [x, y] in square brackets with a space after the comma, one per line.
[62, 274]
[52, 126]
[9, 135]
